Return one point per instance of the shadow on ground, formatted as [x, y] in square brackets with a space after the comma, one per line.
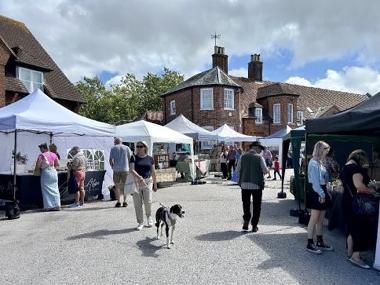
[147, 248]
[220, 236]
[101, 234]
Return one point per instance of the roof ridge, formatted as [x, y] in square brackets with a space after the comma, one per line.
[12, 21]
[304, 86]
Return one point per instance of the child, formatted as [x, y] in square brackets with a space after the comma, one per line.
[276, 168]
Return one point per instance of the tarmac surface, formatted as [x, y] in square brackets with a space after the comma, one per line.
[99, 245]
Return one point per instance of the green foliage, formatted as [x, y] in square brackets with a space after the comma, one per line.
[129, 100]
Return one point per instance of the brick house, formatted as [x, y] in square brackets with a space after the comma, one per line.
[249, 104]
[26, 66]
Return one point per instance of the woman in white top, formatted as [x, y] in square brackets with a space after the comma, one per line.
[317, 200]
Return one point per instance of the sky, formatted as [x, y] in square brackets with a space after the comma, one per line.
[324, 43]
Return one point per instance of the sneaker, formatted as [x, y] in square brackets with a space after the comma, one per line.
[360, 263]
[74, 205]
[125, 204]
[245, 226]
[323, 246]
[117, 205]
[255, 229]
[313, 249]
[140, 227]
[150, 221]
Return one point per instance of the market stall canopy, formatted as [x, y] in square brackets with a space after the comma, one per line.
[363, 119]
[183, 125]
[151, 133]
[275, 139]
[37, 112]
[227, 134]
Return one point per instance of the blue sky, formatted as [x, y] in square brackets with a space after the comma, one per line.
[324, 43]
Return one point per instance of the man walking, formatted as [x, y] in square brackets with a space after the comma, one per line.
[268, 159]
[251, 170]
[119, 160]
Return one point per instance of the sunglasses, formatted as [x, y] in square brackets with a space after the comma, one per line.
[140, 146]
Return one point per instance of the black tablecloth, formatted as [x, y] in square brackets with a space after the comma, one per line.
[29, 188]
[335, 214]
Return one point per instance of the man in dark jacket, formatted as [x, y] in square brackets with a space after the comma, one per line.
[252, 169]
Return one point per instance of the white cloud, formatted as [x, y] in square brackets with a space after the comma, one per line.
[351, 79]
[85, 37]
[240, 72]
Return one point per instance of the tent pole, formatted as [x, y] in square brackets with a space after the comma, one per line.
[15, 167]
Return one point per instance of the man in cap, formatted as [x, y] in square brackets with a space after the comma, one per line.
[252, 169]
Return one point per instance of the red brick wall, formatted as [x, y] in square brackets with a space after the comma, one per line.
[183, 105]
[188, 104]
[4, 56]
[284, 100]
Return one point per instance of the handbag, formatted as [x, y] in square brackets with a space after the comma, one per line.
[130, 186]
[365, 205]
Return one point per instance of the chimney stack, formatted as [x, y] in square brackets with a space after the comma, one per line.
[220, 59]
[255, 68]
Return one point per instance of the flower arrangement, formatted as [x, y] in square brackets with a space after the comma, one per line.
[20, 158]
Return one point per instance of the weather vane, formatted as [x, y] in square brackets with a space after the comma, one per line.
[216, 36]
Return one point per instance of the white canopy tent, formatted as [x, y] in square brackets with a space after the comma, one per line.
[275, 140]
[184, 126]
[37, 118]
[227, 134]
[153, 133]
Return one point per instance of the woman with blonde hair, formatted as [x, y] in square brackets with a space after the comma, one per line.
[142, 167]
[318, 200]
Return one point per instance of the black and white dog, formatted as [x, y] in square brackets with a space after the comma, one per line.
[167, 217]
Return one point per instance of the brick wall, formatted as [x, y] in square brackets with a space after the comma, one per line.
[188, 104]
[283, 100]
[4, 56]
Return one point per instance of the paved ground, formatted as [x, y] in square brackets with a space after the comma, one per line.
[98, 245]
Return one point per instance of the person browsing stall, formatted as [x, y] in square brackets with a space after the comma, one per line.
[77, 168]
[120, 157]
[46, 165]
[142, 167]
[355, 181]
[318, 199]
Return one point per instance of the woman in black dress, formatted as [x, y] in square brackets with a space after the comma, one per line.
[355, 180]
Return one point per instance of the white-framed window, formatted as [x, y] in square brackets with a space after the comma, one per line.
[207, 99]
[277, 113]
[229, 99]
[290, 113]
[259, 115]
[173, 108]
[300, 117]
[32, 79]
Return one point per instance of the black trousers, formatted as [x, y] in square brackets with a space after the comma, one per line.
[278, 172]
[231, 164]
[256, 201]
[223, 167]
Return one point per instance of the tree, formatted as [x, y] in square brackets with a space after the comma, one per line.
[128, 100]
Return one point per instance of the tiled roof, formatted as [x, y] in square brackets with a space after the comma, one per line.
[15, 85]
[211, 77]
[311, 98]
[17, 36]
[249, 95]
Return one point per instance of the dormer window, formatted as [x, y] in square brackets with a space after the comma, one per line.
[173, 108]
[32, 79]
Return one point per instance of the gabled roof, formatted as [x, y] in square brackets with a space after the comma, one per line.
[211, 77]
[311, 98]
[16, 35]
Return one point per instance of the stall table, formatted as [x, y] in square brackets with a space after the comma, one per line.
[29, 189]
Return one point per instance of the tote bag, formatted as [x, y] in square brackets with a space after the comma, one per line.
[130, 186]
